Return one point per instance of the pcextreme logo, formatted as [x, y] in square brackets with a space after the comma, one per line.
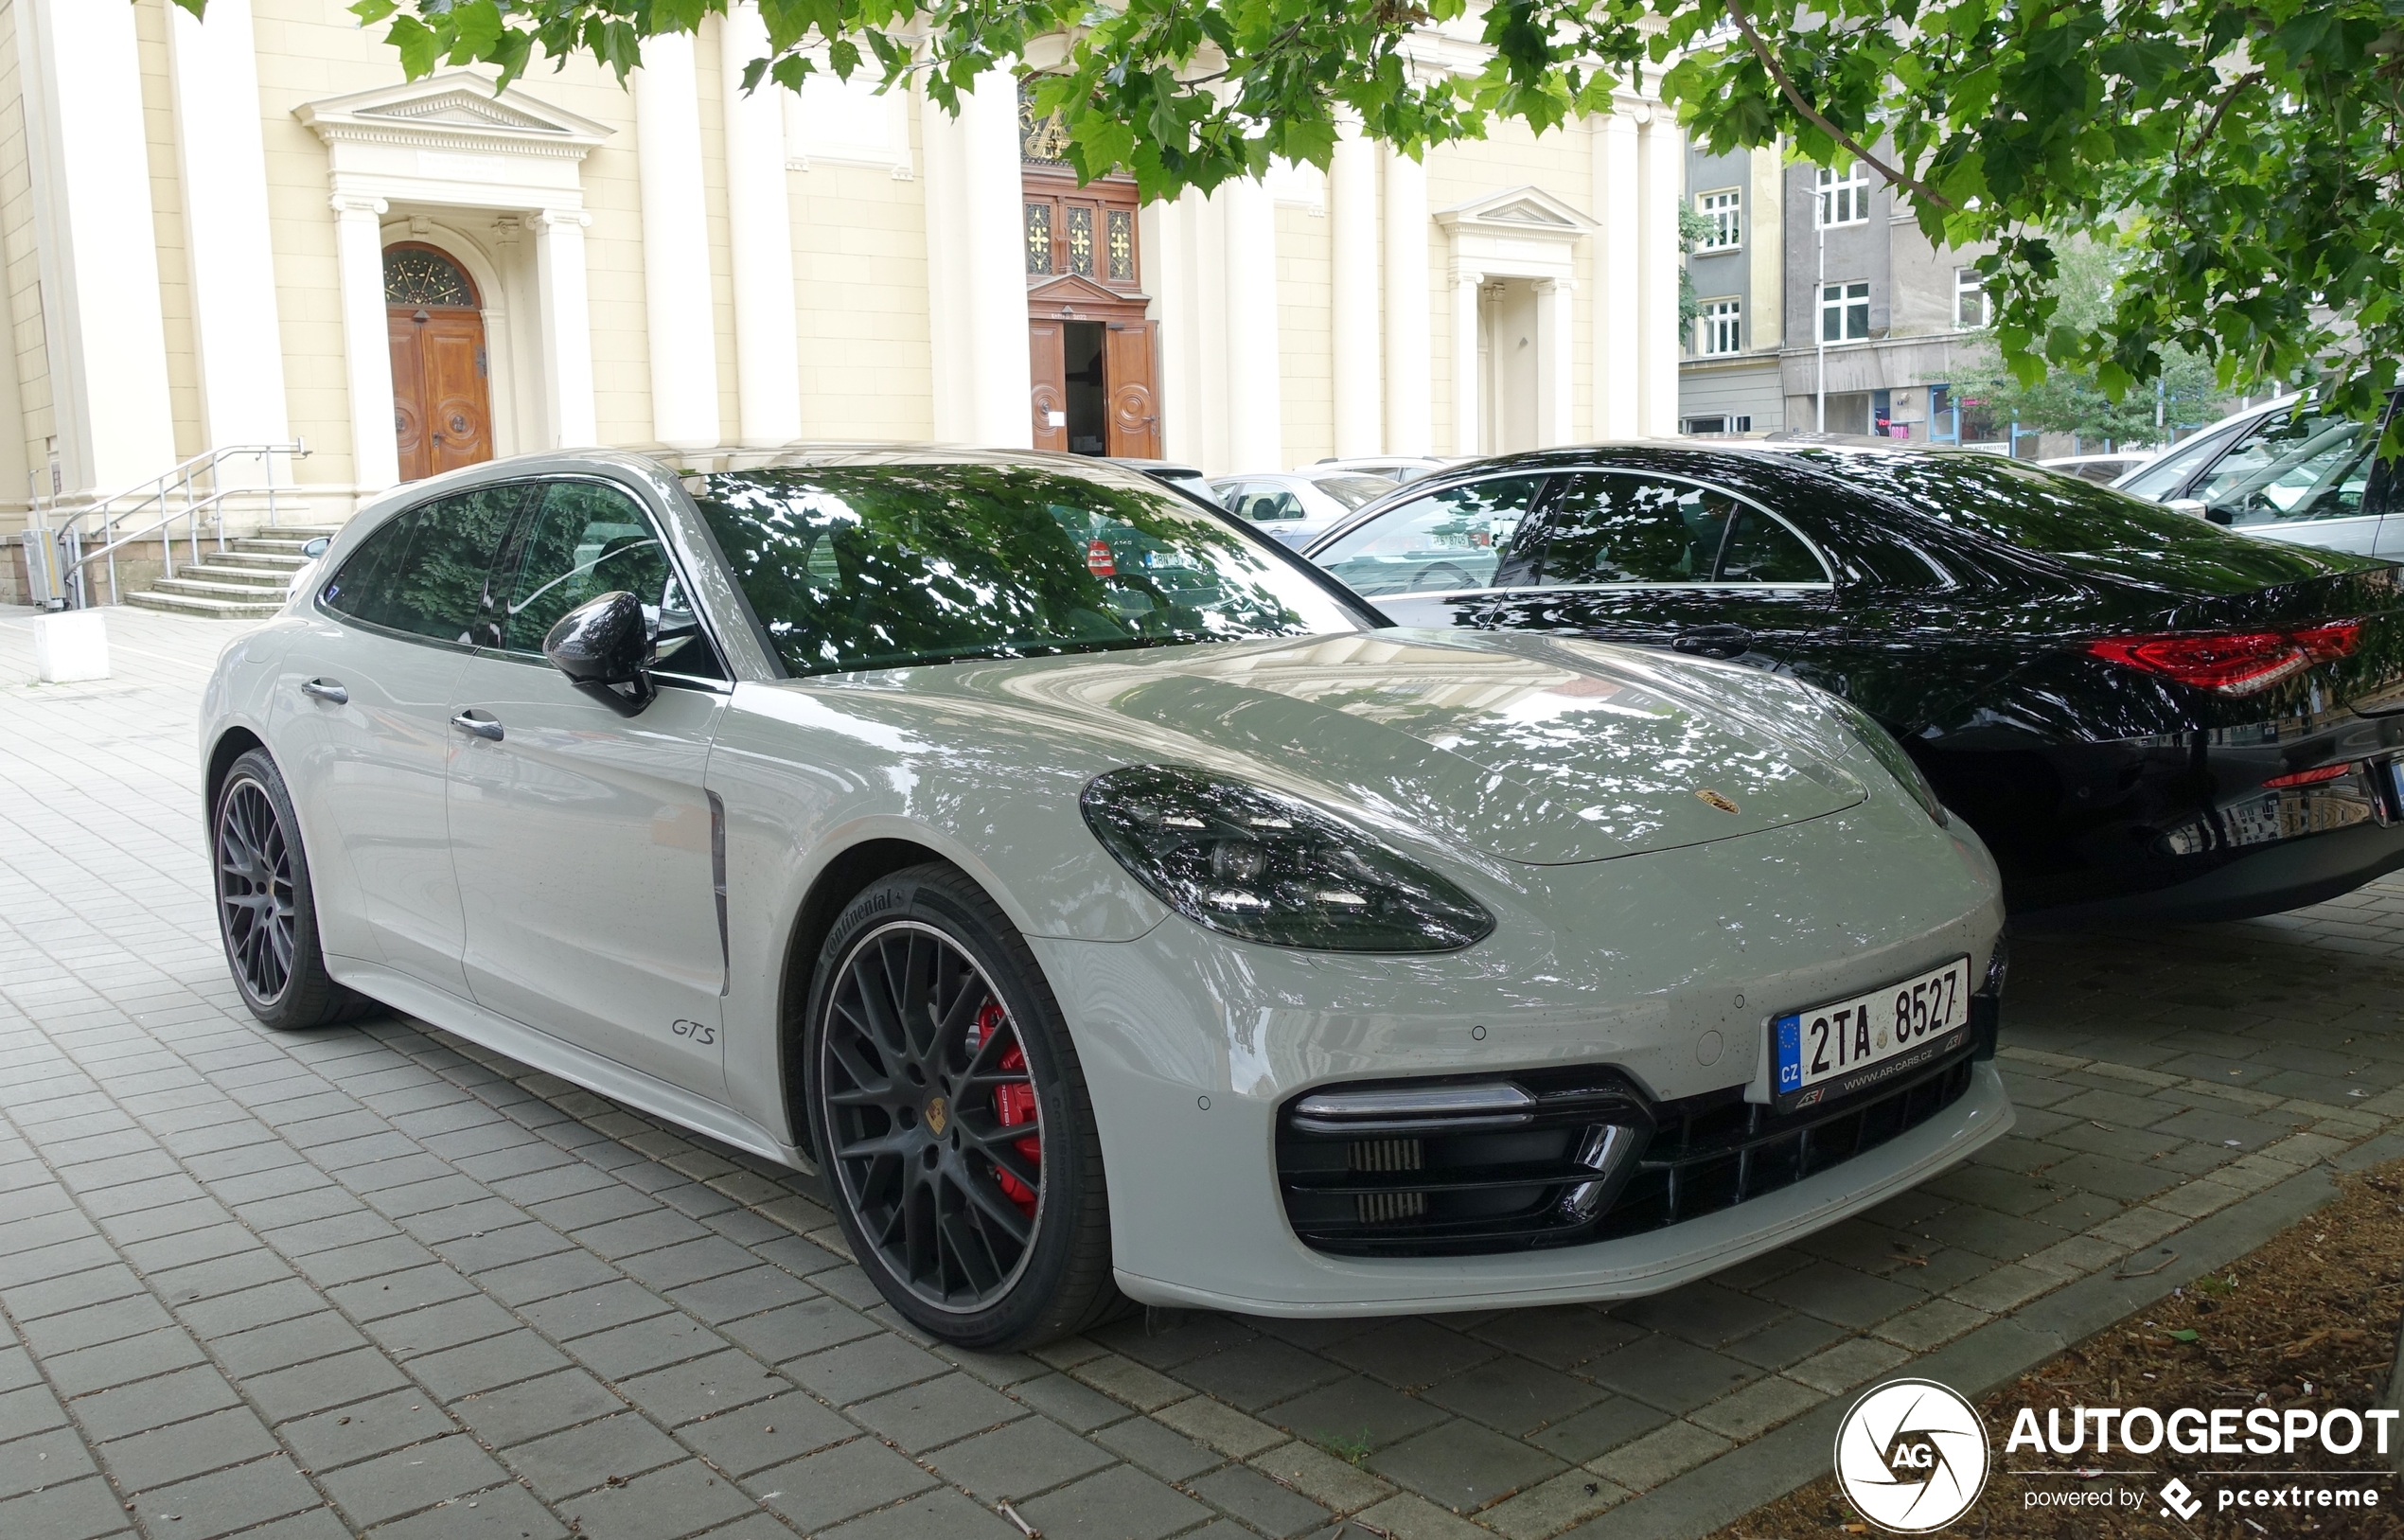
[1912, 1456]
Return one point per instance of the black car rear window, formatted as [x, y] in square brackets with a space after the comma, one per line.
[2021, 505]
[885, 566]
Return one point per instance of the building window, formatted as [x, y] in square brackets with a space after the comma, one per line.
[1741, 424]
[1723, 324]
[1969, 298]
[1845, 195]
[1845, 311]
[1724, 210]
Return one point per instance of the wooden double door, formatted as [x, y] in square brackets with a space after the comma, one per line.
[442, 400]
[1093, 388]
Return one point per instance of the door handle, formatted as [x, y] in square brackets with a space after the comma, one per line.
[326, 689]
[477, 727]
[1713, 641]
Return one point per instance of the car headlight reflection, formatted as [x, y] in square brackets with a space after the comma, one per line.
[1265, 867]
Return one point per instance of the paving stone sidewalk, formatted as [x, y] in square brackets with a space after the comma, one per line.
[378, 1280]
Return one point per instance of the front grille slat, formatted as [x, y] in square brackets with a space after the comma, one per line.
[1465, 1194]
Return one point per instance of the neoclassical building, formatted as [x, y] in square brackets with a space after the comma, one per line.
[253, 231]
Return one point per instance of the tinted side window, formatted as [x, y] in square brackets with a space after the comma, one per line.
[586, 539]
[1761, 550]
[1615, 528]
[1455, 538]
[427, 573]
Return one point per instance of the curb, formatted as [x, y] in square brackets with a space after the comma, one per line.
[1726, 1489]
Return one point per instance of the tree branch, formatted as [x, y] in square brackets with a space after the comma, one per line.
[1811, 115]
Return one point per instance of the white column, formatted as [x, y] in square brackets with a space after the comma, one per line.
[1358, 360]
[1409, 411]
[1618, 305]
[1660, 181]
[1466, 385]
[1168, 272]
[567, 330]
[759, 218]
[944, 201]
[359, 259]
[995, 288]
[91, 179]
[1255, 418]
[226, 246]
[1555, 340]
[676, 245]
[976, 267]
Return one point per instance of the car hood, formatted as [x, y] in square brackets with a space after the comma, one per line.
[1533, 748]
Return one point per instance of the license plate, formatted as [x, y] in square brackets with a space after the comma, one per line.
[1846, 1045]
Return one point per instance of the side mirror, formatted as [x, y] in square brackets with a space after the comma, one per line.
[2188, 504]
[314, 548]
[604, 649]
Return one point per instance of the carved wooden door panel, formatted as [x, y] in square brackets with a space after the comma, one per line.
[1048, 400]
[1135, 402]
[442, 400]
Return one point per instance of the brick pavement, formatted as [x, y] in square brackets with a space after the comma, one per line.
[378, 1280]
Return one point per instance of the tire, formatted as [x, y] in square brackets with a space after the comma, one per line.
[266, 911]
[931, 1034]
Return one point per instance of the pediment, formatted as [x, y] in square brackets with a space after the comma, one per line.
[1068, 290]
[456, 108]
[1526, 209]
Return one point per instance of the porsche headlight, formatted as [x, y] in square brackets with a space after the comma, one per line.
[1264, 867]
[1898, 760]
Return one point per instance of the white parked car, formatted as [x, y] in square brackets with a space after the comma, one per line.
[1394, 467]
[2103, 467]
[1106, 900]
[1297, 507]
[2285, 472]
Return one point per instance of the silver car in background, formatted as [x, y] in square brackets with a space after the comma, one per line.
[2285, 472]
[1297, 507]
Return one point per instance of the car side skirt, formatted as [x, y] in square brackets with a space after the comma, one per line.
[540, 1050]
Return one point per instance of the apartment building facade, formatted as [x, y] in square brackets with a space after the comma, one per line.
[1822, 306]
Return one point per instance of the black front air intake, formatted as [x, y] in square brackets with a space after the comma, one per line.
[1456, 1166]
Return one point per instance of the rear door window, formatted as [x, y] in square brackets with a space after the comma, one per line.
[1460, 538]
[428, 572]
[1616, 528]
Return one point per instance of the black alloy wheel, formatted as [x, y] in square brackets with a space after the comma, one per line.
[266, 912]
[255, 891]
[951, 1118]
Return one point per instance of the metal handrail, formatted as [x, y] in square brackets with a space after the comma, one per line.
[159, 492]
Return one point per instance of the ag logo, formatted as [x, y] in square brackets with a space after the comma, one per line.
[1912, 1456]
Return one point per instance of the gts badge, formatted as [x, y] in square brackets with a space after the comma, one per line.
[694, 1031]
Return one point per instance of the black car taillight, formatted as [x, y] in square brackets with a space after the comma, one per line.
[2231, 662]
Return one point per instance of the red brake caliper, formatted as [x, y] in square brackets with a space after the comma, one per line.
[1014, 1104]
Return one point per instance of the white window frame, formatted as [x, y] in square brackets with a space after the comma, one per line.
[1841, 299]
[1843, 197]
[1968, 283]
[1720, 321]
[1724, 208]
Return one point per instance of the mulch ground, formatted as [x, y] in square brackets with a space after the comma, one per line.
[2310, 1319]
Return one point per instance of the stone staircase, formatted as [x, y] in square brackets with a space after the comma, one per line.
[245, 581]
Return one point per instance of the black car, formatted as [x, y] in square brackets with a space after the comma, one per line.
[2141, 714]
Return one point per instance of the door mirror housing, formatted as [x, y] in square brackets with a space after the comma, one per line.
[603, 646]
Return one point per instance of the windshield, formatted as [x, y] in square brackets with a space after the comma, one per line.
[2014, 502]
[1354, 492]
[887, 566]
